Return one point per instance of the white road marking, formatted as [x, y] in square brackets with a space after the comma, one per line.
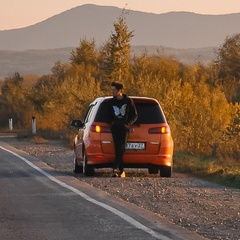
[92, 200]
[7, 136]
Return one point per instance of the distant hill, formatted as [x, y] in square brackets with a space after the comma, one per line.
[174, 29]
[37, 62]
[40, 62]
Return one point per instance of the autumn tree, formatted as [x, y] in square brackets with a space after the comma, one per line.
[231, 136]
[153, 75]
[13, 97]
[229, 57]
[59, 70]
[229, 67]
[233, 129]
[47, 99]
[85, 54]
[115, 55]
[77, 91]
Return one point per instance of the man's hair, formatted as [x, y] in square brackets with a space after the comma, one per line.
[118, 86]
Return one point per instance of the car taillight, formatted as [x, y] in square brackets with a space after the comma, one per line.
[159, 130]
[100, 129]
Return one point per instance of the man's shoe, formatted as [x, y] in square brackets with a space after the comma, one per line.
[122, 175]
[114, 173]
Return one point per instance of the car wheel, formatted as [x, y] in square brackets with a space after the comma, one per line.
[153, 170]
[87, 169]
[165, 171]
[77, 168]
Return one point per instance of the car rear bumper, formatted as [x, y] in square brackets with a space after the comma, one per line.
[131, 160]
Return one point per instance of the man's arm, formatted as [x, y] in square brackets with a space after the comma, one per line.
[132, 117]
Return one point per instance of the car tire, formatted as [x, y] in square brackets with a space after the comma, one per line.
[77, 168]
[153, 170]
[165, 171]
[87, 169]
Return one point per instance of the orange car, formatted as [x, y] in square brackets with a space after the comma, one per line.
[149, 143]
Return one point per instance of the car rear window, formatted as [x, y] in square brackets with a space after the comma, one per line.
[148, 113]
[103, 112]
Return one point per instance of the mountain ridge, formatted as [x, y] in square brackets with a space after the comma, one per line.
[187, 36]
[172, 29]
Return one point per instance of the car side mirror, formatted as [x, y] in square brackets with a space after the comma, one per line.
[77, 123]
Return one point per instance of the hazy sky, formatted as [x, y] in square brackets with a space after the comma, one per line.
[22, 13]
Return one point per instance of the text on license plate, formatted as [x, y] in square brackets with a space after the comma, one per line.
[138, 146]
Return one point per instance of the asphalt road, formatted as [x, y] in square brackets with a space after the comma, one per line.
[37, 202]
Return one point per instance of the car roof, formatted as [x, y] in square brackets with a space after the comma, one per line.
[135, 98]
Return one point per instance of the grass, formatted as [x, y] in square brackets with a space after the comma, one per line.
[43, 136]
[222, 171]
[38, 140]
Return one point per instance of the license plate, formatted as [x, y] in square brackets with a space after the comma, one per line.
[135, 146]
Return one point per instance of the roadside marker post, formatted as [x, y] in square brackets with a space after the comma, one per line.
[10, 124]
[34, 125]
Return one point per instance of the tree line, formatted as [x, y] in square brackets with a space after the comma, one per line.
[201, 103]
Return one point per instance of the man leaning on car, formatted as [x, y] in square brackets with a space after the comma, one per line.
[123, 114]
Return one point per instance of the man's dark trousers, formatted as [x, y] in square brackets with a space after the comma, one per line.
[119, 134]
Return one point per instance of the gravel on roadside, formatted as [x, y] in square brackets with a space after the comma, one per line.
[211, 210]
